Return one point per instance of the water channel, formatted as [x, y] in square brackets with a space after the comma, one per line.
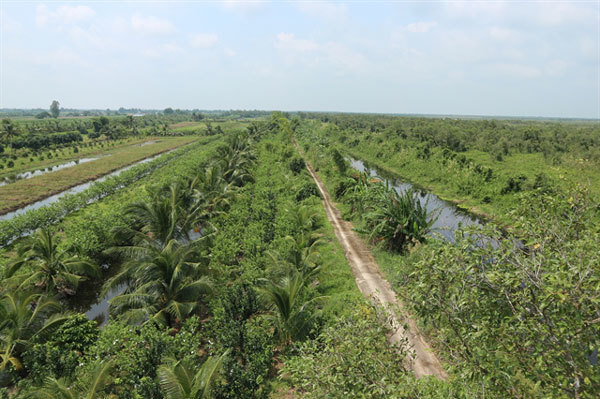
[73, 190]
[450, 218]
[42, 171]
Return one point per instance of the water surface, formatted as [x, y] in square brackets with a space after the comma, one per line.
[450, 218]
[42, 171]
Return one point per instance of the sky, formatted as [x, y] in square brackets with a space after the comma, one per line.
[517, 58]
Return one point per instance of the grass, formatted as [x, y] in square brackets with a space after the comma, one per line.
[194, 127]
[62, 155]
[23, 192]
[467, 190]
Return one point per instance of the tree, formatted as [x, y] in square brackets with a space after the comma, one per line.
[290, 309]
[163, 218]
[51, 268]
[129, 122]
[178, 380]
[55, 109]
[168, 111]
[9, 131]
[23, 316]
[164, 284]
[91, 389]
[101, 124]
[43, 115]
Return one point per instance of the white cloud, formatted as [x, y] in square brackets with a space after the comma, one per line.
[62, 15]
[420, 27]
[331, 55]
[516, 71]
[344, 58]
[89, 38]
[475, 9]
[229, 52]
[151, 25]
[556, 67]
[287, 41]
[323, 9]
[589, 48]
[203, 40]
[61, 57]
[503, 34]
[556, 13]
[162, 51]
[8, 24]
[243, 5]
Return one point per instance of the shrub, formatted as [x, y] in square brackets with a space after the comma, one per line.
[59, 356]
[307, 190]
[297, 165]
[399, 219]
[339, 363]
[514, 185]
[339, 160]
[236, 327]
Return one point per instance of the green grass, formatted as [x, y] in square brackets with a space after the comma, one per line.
[66, 154]
[23, 192]
[195, 127]
[468, 189]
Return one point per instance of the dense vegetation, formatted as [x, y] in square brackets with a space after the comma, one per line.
[226, 268]
[224, 279]
[519, 320]
[480, 164]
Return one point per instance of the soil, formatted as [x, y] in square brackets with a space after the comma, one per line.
[372, 284]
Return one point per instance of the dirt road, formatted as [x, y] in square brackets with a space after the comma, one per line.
[373, 285]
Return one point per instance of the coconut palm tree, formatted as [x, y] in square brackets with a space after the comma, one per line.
[211, 194]
[302, 257]
[180, 381]
[51, 268]
[304, 217]
[163, 217]
[236, 159]
[289, 307]
[400, 219]
[164, 284]
[91, 388]
[24, 316]
[9, 131]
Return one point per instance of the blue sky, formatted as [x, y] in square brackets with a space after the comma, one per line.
[468, 57]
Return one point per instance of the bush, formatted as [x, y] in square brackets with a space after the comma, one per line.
[307, 190]
[60, 355]
[399, 219]
[340, 362]
[342, 187]
[514, 185]
[236, 327]
[297, 165]
[339, 160]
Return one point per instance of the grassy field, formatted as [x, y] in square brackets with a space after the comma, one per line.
[195, 127]
[462, 177]
[23, 192]
[67, 154]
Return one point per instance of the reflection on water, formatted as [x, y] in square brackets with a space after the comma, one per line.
[73, 190]
[99, 310]
[450, 218]
[30, 174]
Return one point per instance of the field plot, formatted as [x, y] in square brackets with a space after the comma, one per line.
[85, 149]
[511, 309]
[23, 192]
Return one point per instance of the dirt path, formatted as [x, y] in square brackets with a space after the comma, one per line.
[373, 285]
